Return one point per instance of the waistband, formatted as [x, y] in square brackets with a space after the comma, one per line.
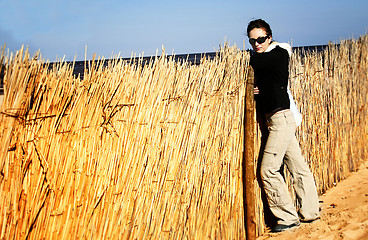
[277, 111]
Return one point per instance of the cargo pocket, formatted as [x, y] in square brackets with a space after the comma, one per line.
[273, 197]
[270, 150]
[271, 144]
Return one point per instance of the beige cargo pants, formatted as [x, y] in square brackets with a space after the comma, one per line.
[283, 147]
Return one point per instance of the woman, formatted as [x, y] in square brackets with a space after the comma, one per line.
[270, 62]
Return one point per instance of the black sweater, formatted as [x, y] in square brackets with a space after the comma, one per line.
[271, 72]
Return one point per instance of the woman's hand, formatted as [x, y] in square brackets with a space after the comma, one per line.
[256, 91]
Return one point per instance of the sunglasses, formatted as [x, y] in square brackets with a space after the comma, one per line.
[259, 40]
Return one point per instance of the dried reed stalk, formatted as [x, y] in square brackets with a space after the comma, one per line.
[132, 151]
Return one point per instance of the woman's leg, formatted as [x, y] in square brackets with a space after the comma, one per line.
[304, 185]
[281, 132]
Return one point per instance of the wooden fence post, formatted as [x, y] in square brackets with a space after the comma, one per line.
[248, 157]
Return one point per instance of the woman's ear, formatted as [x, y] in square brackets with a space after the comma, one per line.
[269, 40]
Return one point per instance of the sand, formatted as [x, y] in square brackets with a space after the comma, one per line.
[344, 212]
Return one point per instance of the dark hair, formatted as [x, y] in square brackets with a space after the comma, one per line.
[259, 23]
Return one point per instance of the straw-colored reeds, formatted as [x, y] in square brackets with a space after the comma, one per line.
[132, 151]
[330, 87]
[136, 151]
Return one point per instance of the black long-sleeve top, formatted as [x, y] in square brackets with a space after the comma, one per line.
[271, 71]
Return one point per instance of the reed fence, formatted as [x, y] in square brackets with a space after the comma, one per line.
[155, 150]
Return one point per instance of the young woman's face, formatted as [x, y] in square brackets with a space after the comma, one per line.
[259, 40]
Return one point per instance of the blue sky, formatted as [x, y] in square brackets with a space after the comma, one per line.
[65, 27]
